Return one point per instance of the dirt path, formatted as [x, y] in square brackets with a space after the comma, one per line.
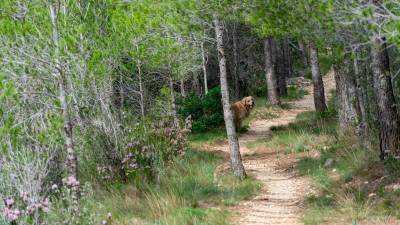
[283, 192]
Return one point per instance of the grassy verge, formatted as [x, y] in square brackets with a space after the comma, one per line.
[186, 194]
[356, 186]
[311, 131]
[294, 93]
[196, 140]
[353, 186]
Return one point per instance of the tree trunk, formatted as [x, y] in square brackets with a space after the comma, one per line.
[364, 130]
[204, 65]
[270, 75]
[285, 69]
[236, 62]
[71, 162]
[347, 99]
[289, 61]
[182, 84]
[278, 65]
[196, 84]
[174, 113]
[388, 121]
[303, 50]
[141, 90]
[236, 159]
[318, 84]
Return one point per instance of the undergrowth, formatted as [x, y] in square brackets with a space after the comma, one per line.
[349, 180]
[311, 131]
[186, 194]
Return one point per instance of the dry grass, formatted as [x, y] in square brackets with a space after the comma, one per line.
[187, 194]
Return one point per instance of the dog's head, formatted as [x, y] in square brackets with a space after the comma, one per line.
[248, 102]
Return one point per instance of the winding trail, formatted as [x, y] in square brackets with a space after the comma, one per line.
[283, 191]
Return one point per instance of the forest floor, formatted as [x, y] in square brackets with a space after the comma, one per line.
[283, 191]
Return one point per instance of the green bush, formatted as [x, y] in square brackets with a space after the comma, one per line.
[206, 111]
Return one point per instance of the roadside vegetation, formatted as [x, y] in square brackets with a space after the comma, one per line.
[349, 180]
[187, 193]
[110, 109]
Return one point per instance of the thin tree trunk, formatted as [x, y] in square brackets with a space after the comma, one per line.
[204, 65]
[196, 84]
[289, 60]
[388, 121]
[318, 84]
[277, 65]
[285, 69]
[173, 102]
[304, 57]
[236, 159]
[121, 91]
[235, 61]
[71, 162]
[141, 91]
[182, 86]
[270, 75]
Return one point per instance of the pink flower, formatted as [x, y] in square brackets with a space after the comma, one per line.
[72, 182]
[45, 203]
[11, 214]
[25, 196]
[9, 202]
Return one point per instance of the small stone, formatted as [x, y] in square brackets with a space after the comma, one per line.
[396, 187]
[371, 195]
[393, 187]
[328, 163]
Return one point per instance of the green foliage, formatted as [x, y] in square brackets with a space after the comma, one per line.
[392, 166]
[139, 155]
[206, 111]
[294, 93]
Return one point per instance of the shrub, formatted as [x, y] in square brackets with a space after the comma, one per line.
[206, 111]
[139, 154]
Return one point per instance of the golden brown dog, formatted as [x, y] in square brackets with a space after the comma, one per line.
[241, 110]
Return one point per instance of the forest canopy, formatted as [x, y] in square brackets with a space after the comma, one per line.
[107, 92]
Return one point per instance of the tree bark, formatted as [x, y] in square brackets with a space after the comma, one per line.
[303, 50]
[236, 159]
[204, 66]
[71, 162]
[285, 67]
[289, 60]
[364, 130]
[270, 75]
[174, 113]
[141, 91]
[388, 121]
[182, 85]
[235, 62]
[318, 84]
[347, 99]
[196, 84]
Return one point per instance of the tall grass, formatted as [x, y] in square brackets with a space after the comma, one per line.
[354, 186]
[186, 194]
